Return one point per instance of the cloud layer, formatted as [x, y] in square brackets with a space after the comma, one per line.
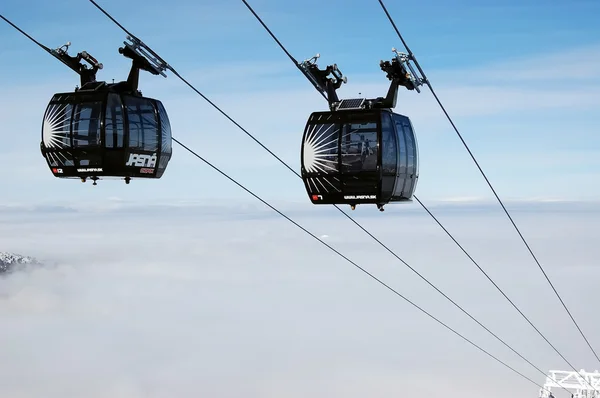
[204, 303]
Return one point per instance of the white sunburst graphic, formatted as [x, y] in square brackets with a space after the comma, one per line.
[56, 134]
[318, 145]
[320, 152]
[56, 128]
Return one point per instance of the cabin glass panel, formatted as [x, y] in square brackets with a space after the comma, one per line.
[86, 124]
[412, 158]
[359, 147]
[143, 124]
[165, 127]
[389, 150]
[403, 158]
[114, 125]
[416, 150]
[166, 139]
[410, 149]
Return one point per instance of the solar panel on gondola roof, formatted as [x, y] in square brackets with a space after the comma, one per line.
[354, 103]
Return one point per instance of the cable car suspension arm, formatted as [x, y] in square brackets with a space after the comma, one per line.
[86, 75]
[318, 77]
[401, 73]
[142, 58]
[139, 54]
[327, 86]
[145, 57]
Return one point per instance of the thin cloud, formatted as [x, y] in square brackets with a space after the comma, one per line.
[567, 66]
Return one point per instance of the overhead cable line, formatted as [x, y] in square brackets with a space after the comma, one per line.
[287, 166]
[299, 176]
[274, 37]
[501, 291]
[355, 264]
[312, 235]
[425, 80]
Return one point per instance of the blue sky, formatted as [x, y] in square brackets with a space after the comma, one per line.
[519, 78]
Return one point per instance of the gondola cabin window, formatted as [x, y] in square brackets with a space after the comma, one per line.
[402, 145]
[388, 145]
[408, 154]
[143, 124]
[86, 124]
[410, 150]
[359, 147]
[114, 122]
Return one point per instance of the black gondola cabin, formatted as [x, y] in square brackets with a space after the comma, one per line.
[101, 133]
[360, 151]
[351, 157]
[107, 129]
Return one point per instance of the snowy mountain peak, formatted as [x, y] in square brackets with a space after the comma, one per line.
[8, 260]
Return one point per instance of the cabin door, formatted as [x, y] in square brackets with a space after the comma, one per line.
[360, 153]
[114, 137]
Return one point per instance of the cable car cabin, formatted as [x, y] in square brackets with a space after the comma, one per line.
[102, 133]
[360, 151]
[359, 156]
[107, 129]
